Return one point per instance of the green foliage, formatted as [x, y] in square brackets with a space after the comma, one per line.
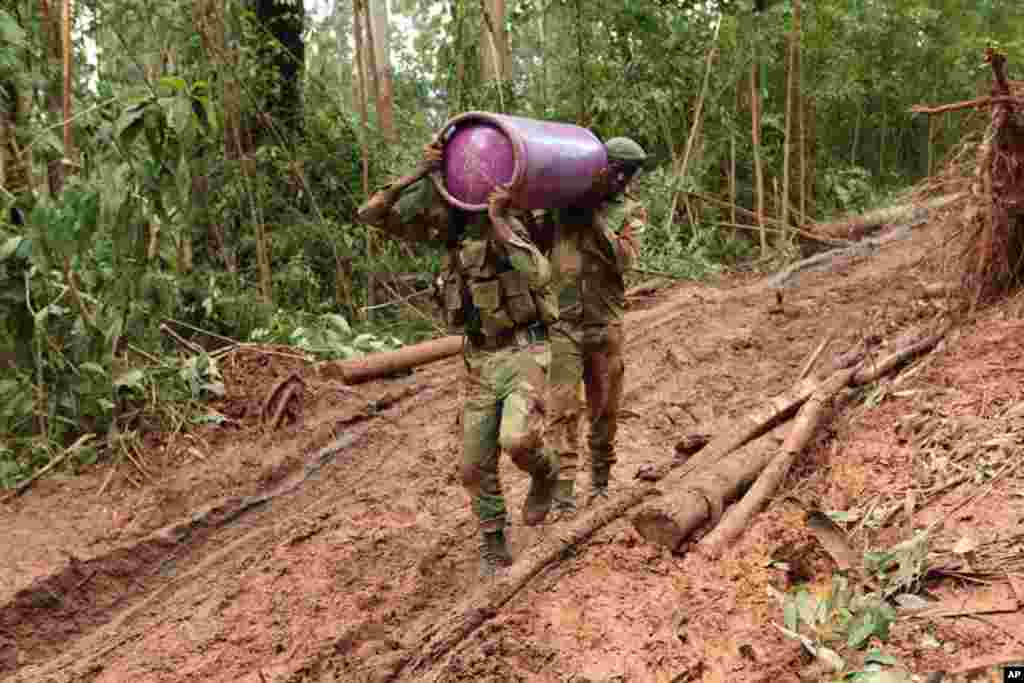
[835, 626]
[160, 221]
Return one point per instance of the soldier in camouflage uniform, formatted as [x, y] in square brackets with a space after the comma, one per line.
[497, 288]
[592, 250]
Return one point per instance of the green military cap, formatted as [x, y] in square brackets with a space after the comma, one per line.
[624, 149]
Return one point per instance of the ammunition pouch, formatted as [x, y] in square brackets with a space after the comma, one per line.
[519, 337]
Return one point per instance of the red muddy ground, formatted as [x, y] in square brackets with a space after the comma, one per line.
[240, 562]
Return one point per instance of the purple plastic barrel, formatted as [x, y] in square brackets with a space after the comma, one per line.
[548, 165]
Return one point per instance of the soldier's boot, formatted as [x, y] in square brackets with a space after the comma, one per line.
[565, 500]
[542, 490]
[598, 486]
[495, 558]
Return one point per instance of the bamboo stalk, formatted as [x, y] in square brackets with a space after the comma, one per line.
[694, 128]
[755, 132]
[787, 142]
[357, 29]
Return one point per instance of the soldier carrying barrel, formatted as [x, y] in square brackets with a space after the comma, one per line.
[498, 288]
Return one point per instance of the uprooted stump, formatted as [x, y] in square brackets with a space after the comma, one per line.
[995, 256]
[985, 251]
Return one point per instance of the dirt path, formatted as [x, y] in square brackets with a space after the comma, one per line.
[339, 571]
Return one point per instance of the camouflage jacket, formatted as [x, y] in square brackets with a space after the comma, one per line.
[590, 260]
[489, 286]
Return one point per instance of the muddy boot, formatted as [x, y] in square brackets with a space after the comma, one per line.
[494, 555]
[565, 500]
[598, 487]
[542, 492]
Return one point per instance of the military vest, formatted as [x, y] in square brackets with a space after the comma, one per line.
[487, 295]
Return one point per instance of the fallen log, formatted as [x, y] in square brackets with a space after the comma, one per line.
[378, 365]
[701, 499]
[671, 519]
[804, 427]
[856, 227]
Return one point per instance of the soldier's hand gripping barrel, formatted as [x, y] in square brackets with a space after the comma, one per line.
[546, 165]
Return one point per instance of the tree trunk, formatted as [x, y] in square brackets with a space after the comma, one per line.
[582, 118]
[755, 133]
[369, 56]
[732, 182]
[357, 30]
[54, 102]
[495, 56]
[69, 153]
[382, 58]
[787, 144]
[801, 116]
[542, 26]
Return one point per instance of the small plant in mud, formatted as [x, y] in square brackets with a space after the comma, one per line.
[836, 623]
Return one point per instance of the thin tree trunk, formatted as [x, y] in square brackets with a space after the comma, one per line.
[787, 144]
[494, 48]
[581, 62]
[357, 25]
[54, 102]
[732, 181]
[801, 115]
[362, 92]
[542, 22]
[379, 39]
[370, 59]
[69, 154]
[755, 131]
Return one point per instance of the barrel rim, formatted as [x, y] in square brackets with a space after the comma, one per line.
[518, 154]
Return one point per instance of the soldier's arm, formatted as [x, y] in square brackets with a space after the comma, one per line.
[401, 208]
[627, 246]
[509, 234]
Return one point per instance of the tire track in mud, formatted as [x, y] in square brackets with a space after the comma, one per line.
[58, 610]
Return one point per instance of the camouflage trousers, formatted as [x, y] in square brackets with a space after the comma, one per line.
[592, 355]
[503, 411]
